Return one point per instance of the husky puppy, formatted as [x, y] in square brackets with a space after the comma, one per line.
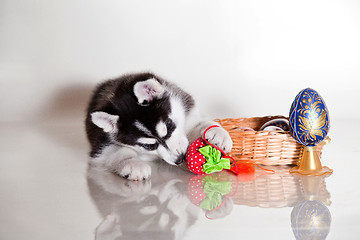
[140, 117]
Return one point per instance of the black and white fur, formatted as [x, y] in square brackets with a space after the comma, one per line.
[141, 117]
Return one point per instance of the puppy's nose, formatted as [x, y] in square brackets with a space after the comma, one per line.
[180, 159]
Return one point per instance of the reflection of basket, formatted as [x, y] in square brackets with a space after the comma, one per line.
[277, 190]
[261, 147]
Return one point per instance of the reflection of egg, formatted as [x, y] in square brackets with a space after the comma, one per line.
[310, 220]
[309, 118]
[278, 124]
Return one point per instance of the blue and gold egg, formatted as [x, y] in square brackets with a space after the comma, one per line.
[309, 118]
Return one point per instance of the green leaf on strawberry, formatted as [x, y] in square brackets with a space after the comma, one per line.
[214, 161]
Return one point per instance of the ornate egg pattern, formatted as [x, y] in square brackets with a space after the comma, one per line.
[309, 118]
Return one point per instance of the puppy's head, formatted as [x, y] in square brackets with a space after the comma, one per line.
[145, 116]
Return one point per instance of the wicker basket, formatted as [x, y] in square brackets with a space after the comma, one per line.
[262, 147]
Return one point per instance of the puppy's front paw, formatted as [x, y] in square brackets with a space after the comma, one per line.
[135, 170]
[220, 138]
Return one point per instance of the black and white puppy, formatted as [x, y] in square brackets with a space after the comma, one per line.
[141, 117]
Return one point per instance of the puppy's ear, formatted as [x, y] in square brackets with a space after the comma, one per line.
[105, 121]
[146, 91]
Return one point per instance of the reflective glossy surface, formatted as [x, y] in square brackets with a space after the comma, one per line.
[49, 192]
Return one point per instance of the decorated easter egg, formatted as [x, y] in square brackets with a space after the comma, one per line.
[278, 124]
[309, 118]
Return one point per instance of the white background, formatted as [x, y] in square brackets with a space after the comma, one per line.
[238, 58]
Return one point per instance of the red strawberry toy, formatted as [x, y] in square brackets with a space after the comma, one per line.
[204, 158]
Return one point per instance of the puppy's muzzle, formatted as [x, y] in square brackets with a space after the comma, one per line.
[180, 159]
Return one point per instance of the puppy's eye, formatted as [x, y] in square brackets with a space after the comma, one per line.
[170, 125]
[149, 147]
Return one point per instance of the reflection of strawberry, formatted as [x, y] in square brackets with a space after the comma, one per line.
[194, 159]
[195, 190]
[208, 191]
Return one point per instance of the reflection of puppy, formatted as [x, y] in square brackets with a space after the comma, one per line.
[140, 117]
[135, 209]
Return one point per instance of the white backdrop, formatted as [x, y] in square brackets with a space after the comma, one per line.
[238, 58]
